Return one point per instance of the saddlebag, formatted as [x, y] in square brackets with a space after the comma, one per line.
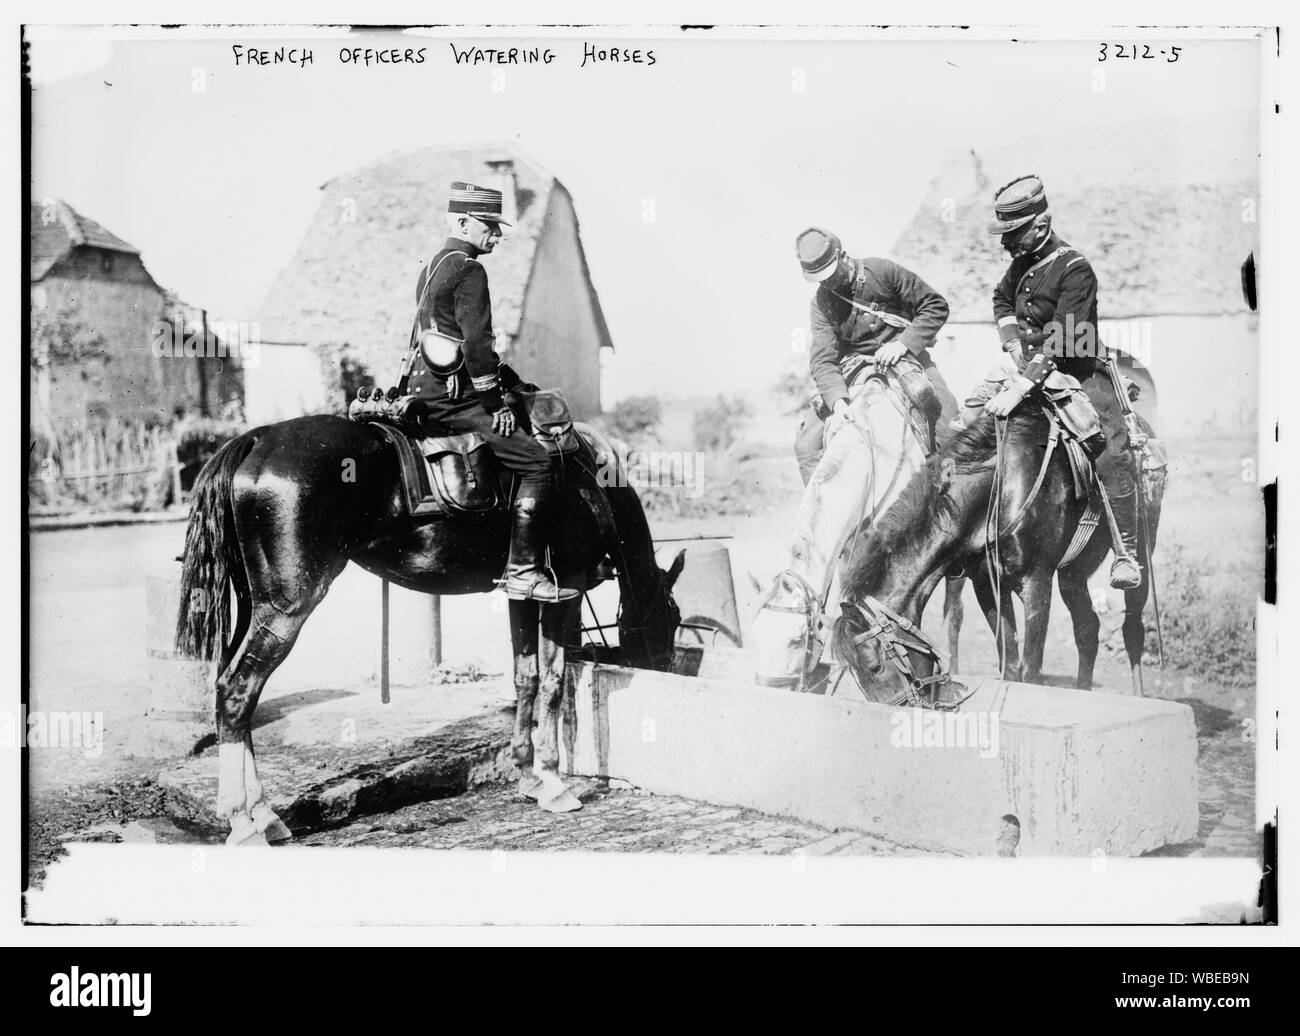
[463, 472]
[551, 421]
[1074, 408]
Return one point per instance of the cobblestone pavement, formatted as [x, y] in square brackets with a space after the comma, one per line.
[610, 821]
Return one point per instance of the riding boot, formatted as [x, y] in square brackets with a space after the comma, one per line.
[526, 579]
[1126, 572]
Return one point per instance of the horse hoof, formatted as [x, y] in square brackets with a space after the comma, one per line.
[245, 833]
[565, 802]
[273, 829]
[529, 787]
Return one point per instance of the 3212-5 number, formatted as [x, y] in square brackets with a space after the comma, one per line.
[1130, 50]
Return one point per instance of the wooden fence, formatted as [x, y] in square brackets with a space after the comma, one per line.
[118, 464]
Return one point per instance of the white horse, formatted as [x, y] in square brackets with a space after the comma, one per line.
[866, 464]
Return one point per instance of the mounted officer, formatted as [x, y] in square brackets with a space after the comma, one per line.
[453, 368]
[864, 309]
[1046, 312]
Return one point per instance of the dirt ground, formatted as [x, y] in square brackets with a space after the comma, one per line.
[87, 651]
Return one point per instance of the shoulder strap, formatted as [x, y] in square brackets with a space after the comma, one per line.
[893, 320]
[414, 343]
[419, 305]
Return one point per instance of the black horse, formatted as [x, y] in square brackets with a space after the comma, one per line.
[939, 527]
[277, 514]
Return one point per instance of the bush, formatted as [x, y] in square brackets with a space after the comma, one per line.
[716, 425]
[791, 391]
[635, 418]
[1208, 630]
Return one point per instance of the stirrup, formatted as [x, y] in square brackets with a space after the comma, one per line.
[535, 586]
[1119, 580]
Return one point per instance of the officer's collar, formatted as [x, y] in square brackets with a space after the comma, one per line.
[1050, 244]
[456, 244]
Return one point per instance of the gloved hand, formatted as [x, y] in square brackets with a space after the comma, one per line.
[840, 416]
[889, 354]
[1016, 354]
[503, 422]
[1009, 398]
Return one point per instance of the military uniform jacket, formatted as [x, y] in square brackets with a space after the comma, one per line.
[1047, 299]
[848, 322]
[457, 303]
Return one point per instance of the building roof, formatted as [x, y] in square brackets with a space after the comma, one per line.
[352, 280]
[1158, 208]
[56, 230]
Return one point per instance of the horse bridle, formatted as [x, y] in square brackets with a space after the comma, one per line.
[899, 635]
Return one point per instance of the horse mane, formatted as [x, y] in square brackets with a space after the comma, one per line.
[927, 501]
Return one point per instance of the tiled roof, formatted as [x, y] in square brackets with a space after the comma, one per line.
[58, 228]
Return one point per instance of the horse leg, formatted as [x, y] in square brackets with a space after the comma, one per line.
[523, 639]
[1135, 633]
[241, 799]
[1037, 597]
[558, 623]
[1073, 584]
[953, 613]
[1004, 631]
[569, 705]
[265, 819]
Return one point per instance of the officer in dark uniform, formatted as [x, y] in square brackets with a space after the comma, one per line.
[1046, 312]
[863, 308]
[454, 369]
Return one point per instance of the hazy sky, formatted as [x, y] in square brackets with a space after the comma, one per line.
[216, 186]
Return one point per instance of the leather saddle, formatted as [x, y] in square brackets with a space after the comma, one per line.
[448, 475]
[909, 380]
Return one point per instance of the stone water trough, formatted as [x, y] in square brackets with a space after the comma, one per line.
[1020, 769]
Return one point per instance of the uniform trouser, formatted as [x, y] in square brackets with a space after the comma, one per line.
[1115, 464]
[519, 451]
[808, 446]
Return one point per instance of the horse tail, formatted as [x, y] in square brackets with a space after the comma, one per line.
[211, 553]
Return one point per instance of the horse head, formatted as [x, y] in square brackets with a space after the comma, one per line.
[649, 617]
[787, 632]
[889, 657]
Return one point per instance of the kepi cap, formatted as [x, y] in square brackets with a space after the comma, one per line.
[819, 251]
[467, 199]
[1018, 202]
